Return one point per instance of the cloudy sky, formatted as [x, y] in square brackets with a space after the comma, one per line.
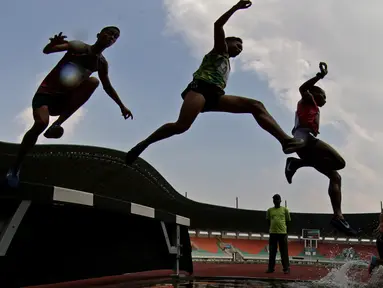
[222, 156]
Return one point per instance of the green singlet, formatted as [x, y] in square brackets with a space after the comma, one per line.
[214, 69]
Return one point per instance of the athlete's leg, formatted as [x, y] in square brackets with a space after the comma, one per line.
[41, 121]
[326, 160]
[192, 105]
[318, 153]
[327, 157]
[237, 104]
[335, 193]
[334, 190]
[75, 100]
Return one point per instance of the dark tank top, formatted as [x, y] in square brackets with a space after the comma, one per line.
[80, 65]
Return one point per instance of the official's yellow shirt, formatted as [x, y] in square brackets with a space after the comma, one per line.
[278, 218]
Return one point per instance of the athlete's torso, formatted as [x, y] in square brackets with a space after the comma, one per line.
[84, 63]
[214, 69]
[307, 116]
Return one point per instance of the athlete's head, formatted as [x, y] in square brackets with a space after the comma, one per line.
[319, 95]
[234, 46]
[277, 200]
[108, 36]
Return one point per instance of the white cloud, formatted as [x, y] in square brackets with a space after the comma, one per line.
[283, 43]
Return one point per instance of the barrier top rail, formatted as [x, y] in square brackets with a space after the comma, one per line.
[44, 194]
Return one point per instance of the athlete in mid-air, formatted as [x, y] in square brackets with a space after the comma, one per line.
[66, 88]
[375, 261]
[206, 93]
[316, 153]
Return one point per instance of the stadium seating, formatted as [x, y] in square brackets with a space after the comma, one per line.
[330, 250]
[365, 251]
[260, 247]
[249, 247]
[254, 249]
[342, 251]
[296, 248]
[207, 247]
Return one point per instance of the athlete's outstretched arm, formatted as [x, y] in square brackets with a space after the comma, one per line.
[53, 48]
[305, 87]
[103, 74]
[309, 84]
[219, 32]
[59, 44]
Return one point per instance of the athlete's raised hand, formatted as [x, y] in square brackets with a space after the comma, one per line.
[58, 39]
[243, 4]
[323, 69]
[126, 112]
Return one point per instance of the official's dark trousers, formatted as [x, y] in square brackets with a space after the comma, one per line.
[280, 240]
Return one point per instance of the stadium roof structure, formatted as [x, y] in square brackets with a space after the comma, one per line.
[103, 171]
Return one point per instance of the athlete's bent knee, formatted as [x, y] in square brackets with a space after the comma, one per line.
[39, 126]
[181, 127]
[335, 177]
[341, 164]
[93, 81]
[257, 107]
[41, 117]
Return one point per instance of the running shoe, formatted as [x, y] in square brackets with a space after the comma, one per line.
[289, 171]
[55, 132]
[343, 226]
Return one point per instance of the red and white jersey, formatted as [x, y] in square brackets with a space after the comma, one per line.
[307, 115]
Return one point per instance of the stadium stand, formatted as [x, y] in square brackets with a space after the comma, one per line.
[257, 249]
